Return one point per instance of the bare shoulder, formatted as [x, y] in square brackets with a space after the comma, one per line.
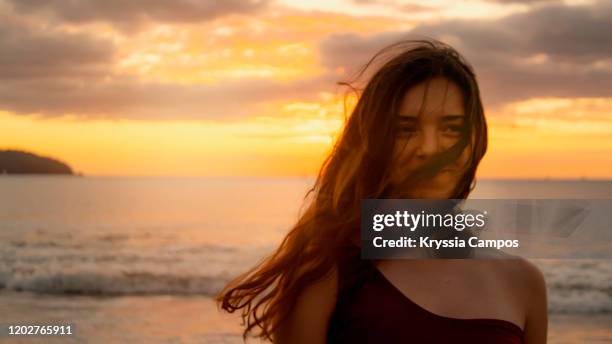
[309, 318]
[523, 276]
[521, 279]
[531, 278]
[322, 292]
[529, 287]
[533, 292]
[522, 270]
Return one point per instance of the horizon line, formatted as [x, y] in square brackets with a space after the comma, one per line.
[82, 175]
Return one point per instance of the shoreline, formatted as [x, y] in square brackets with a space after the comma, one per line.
[192, 319]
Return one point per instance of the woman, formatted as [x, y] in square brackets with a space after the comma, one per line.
[417, 131]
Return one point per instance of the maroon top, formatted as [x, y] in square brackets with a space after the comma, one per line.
[375, 311]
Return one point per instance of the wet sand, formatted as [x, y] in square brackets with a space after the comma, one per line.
[190, 319]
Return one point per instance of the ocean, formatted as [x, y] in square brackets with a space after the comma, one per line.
[137, 259]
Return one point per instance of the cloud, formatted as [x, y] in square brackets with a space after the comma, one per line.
[530, 2]
[52, 72]
[550, 51]
[128, 97]
[120, 11]
[29, 53]
[404, 7]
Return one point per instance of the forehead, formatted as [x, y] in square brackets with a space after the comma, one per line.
[433, 98]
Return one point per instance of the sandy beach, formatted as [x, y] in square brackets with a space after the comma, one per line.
[190, 319]
[123, 270]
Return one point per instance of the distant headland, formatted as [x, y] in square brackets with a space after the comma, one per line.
[19, 162]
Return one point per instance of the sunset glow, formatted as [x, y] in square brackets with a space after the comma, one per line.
[251, 92]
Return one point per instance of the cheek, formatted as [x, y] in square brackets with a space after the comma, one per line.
[453, 176]
[464, 158]
[447, 142]
[400, 163]
[403, 152]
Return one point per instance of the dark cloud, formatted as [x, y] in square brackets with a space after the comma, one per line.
[30, 53]
[530, 2]
[570, 33]
[53, 73]
[553, 50]
[122, 11]
[127, 97]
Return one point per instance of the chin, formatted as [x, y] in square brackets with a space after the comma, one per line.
[440, 187]
[430, 193]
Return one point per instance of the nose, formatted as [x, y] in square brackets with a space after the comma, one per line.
[428, 144]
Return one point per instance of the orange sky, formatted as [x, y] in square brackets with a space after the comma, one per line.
[242, 128]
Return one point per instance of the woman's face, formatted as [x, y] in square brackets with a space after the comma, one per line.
[431, 120]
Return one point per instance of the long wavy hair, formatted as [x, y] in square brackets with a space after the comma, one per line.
[327, 231]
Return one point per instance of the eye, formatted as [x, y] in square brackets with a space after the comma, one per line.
[453, 129]
[407, 130]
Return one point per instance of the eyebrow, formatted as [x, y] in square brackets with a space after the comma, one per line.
[445, 118]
